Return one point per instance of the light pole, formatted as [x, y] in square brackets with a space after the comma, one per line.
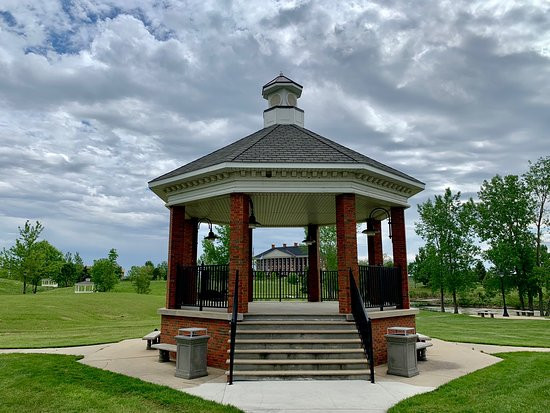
[501, 275]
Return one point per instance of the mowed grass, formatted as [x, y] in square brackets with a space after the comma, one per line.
[519, 383]
[60, 317]
[55, 383]
[9, 287]
[467, 329]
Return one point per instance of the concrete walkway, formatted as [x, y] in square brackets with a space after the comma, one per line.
[446, 361]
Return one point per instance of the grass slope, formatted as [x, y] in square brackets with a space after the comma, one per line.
[62, 318]
[55, 383]
[9, 287]
[520, 383]
[467, 329]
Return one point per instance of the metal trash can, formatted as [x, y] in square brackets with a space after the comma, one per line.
[401, 342]
[192, 344]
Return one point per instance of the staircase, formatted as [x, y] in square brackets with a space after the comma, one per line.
[299, 347]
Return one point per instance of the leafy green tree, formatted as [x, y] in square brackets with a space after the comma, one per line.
[79, 267]
[538, 183]
[427, 269]
[328, 247]
[216, 252]
[141, 278]
[446, 225]
[162, 270]
[505, 212]
[47, 260]
[106, 272]
[67, 275]
[480, 271]
[21, 260]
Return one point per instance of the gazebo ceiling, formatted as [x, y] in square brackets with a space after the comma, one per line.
[283, 209]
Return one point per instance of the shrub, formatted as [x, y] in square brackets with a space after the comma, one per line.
[141, 278]
[104, 274]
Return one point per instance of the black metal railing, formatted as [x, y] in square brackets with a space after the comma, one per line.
[202, 286]
[279, 285]
[380, 286]
[329, 285]
[362, 321]
[233, 333]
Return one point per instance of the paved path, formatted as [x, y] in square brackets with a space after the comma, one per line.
[446, 361]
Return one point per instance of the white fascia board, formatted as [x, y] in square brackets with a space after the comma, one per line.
[284, 186]
[270, 165]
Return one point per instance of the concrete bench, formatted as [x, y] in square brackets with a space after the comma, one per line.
[421, 347]
[152, 338]
[165, 350]
[483, 313]
[525, 312]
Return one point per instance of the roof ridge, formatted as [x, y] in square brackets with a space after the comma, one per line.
[258, 140]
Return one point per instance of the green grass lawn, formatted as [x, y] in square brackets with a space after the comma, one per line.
[60, 317]
[519, 383]
[467, 329]
[55, 383]
[16, 287]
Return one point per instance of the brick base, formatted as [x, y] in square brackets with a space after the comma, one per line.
[218, 330]
[379, 329]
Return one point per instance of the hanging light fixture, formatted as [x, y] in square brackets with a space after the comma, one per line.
[252, 223]
[370, 231]
[309, 240]
[211, 236]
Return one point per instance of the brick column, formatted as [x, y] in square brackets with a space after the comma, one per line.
[400, 250]
[239, 250]
[374, 245]
[182, 250]
[346, 240]
[314, 273]
[250, 269]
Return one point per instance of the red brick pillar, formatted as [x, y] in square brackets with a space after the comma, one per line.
[374, 243]
[346, 241]
[182, 250]
[400, 250]
[250, 269]
[239, 250]
[314, 274]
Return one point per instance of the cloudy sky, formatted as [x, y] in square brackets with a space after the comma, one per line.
[99, 97]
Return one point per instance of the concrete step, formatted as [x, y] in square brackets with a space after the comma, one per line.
[300, 343]
[299, 354]
[357, 374]
[296, 334]
[295, 324]
[293, 317]
[291, 365]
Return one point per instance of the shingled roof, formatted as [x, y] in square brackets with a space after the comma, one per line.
[296, 251]
[285, 144]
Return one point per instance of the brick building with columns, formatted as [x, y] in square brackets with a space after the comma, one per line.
[281, 176]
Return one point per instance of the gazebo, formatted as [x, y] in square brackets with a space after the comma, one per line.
[284, 176]
[85, 286]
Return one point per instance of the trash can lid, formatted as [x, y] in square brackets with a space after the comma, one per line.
[401, 331]
[192, 331]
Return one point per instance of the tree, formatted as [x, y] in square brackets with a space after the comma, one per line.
[216, 252]
[67, 275]
[20, 261]
[105, 272]
[427, 269]
[538, 183]
[47, 260]
[447, 227]
[162, 269]
[141, 278]
[480, 271]
[113, 256]
[328, 247]
[505, 212]
[79, 267]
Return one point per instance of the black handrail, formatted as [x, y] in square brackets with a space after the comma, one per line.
[233, 327]
[362, 321]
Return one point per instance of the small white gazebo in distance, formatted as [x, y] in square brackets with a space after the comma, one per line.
[85, 286]
[48, 282]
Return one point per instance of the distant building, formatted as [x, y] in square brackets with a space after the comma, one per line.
[293, 258]
[84, 287]
[48, 282]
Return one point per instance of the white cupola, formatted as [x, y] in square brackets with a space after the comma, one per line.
[282, 96]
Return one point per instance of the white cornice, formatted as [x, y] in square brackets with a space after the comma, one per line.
[282, 166]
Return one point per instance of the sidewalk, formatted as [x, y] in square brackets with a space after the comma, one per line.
[446, 361]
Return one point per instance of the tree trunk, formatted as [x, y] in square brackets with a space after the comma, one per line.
[34, 288]
[530, 299]
[24, 285]
[455, 302]
[442, 300]
[541, 302]
[521, 297]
